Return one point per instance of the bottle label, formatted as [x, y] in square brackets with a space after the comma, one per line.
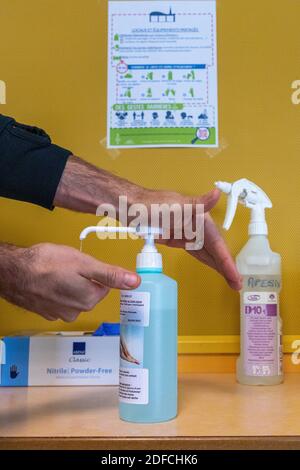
[135, 308]
[134, 385]
[262, 338]
[134, 378]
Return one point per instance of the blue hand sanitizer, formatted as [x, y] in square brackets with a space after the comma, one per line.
[148, 338]
[148, 343]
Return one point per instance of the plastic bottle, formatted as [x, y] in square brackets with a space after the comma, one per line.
[148, 338]
[260, 360]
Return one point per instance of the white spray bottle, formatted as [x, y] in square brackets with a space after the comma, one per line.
[260, 361]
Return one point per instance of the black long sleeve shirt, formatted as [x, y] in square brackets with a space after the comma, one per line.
[31, 166]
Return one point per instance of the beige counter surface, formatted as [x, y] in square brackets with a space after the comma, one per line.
[214, 412]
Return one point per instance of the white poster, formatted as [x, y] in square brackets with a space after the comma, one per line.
[162, 74]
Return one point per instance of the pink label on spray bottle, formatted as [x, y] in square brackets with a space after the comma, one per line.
[261, 338]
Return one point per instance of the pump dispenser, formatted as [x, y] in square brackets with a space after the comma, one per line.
[148, 336]
[260, 361]
[149, 258]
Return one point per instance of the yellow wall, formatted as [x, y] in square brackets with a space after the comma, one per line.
[53, 61]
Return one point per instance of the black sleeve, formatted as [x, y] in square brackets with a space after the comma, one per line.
[30, 165]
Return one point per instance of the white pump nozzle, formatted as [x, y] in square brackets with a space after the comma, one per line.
[250, 195]
[149, 257]
[100, 229]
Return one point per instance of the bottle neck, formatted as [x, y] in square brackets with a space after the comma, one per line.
[149, 260]
[261, 239]
[258, 225]
[149, 270]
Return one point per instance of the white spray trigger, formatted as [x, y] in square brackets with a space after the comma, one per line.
[250, 195]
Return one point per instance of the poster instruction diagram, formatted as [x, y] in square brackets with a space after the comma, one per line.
[162, 74]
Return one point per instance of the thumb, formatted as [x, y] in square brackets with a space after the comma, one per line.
[209, 200]
[110, 276]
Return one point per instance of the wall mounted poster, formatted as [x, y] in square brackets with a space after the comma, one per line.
[162, 74]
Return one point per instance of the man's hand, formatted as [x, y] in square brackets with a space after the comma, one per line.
[84, 187]
[58, 282]
[214, 252]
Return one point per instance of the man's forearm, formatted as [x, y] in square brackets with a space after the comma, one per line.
[12, 259]
[83, 187]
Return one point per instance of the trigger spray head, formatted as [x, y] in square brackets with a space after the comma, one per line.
[224, 187]
[251, 196]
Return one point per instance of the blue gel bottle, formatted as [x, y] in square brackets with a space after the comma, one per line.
[148, 336]
[148, 343]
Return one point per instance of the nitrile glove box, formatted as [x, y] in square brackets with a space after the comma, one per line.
[59, 359]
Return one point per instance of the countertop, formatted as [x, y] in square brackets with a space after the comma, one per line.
[214, 413]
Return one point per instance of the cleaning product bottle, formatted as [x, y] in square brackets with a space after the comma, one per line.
[260, 360]
[148, 337]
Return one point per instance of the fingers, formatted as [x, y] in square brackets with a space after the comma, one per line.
[210, 261]
[87, 295]
[209, 200]
[49, 317]
[95, 294]
[216, 247]
[205, 258]
[66, 282]
[91, 295]
[67, 316]
[109, 275]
